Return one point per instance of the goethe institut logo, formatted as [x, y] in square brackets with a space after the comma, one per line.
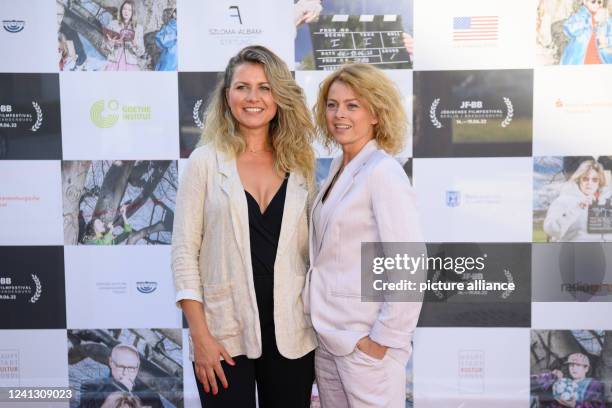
[106, 114]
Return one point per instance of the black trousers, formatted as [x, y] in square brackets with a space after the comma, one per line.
[281, 382]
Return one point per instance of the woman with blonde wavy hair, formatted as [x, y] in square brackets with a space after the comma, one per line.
[363, 345]
[567, 216]
[240, 239]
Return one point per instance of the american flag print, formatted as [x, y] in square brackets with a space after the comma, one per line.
[468, 29]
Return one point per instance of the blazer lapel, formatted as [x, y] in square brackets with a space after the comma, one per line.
[343, 185]
[239, 212]
[333, 169]
[295, 200]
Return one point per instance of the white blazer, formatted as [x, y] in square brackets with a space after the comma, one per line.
[372, 201]
[211, 257]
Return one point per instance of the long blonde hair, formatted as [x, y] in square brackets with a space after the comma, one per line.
[382, 98]
[291, 129]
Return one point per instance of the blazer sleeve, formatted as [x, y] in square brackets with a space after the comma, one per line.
[187, 232]
[397, 220]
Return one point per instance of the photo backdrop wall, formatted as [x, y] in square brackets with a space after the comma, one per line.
[508, 149]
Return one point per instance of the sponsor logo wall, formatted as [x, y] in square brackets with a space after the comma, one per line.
[508, 149]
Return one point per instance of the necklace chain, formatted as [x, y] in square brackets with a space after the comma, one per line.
[265, 149]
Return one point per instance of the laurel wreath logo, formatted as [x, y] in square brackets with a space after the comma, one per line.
[509, 114]
[508, 276]
[39, 117]
[436, 278]
[38, 291]
[196, 114]
[432, 113]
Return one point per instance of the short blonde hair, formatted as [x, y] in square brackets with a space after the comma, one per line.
[382, 98]
[587, 166]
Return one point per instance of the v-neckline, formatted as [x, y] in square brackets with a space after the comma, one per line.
[263, 213]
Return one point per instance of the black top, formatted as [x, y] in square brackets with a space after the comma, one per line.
[264, 231]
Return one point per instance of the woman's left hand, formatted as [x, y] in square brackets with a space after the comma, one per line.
[372, 348]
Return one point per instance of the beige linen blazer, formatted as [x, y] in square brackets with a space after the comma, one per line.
[211, 257]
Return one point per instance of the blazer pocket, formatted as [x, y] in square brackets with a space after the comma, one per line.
[347, 285]
[220, 311]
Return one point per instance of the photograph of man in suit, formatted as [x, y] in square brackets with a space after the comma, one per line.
[124, 364]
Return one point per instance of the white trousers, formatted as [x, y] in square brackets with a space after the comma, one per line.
[358, 380]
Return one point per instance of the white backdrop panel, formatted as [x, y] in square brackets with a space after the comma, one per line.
[119, 115]
[571, 315]
[34, 358]
[223, 27]
[493, 199]
[435, 49]
[572, 106]
[34, 48]
[30, 203]
[102, 287]
[471, 368]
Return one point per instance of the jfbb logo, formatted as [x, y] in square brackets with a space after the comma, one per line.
[101, 120]
[9, 118]
[13, 26]
[5, 281]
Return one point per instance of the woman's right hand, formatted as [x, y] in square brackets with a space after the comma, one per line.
[207, 355]
[586, 201]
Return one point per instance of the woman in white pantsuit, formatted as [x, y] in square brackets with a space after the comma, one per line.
[367, 197]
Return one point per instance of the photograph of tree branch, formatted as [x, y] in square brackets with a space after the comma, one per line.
[119, 202]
